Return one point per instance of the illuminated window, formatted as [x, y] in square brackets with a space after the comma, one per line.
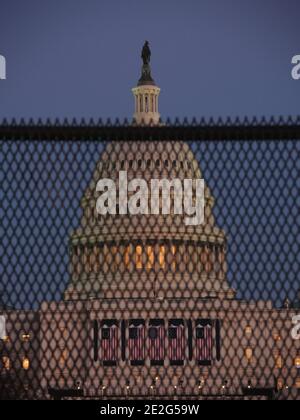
[6, 363]
[6, 339]
[278, 361]
[114, 256]
[248, 330]
[63, 357]
[162, 255]
[297, 362]
[127, 252]
[280, 383]
[150, 256]
[173, 251]
[248, 354]
[25, 364]
[138, 257]
[26, 337]
[276, 336]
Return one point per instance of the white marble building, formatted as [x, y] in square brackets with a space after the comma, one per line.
[149, 310]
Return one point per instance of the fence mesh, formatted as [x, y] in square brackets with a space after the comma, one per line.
[147, 305]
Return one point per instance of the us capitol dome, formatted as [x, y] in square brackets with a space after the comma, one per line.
[154, 255]
[148, 309]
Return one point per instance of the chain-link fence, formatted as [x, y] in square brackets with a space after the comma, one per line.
[147, 300]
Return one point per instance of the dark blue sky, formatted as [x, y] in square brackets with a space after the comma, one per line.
[210, 57]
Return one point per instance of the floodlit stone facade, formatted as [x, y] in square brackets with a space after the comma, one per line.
[135, 277]
[154, 268]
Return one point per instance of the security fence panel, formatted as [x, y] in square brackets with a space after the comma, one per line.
[150, 261]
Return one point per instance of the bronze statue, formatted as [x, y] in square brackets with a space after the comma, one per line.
[146, 53]
[146, 78]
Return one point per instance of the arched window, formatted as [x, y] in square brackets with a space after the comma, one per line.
[25, 363]
[278, 361]
[162, 256]
[138, 257]
[280, 383]
[173, 251]
[248, 330]
[114, 257]
[63, 357]
[6, 363]
[127, 256]
[150, 257]
[249, 354]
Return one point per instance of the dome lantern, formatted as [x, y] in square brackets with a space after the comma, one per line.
[146, 94]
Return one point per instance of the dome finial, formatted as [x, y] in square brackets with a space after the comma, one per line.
[146, 78]
[146, 93]
[146, 53]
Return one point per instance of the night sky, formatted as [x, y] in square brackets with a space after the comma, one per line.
[80, 58]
